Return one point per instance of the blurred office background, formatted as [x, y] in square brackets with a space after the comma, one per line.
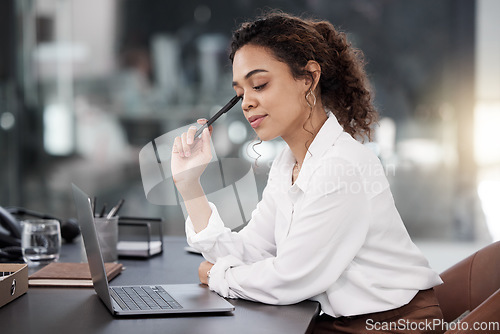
[85, 84]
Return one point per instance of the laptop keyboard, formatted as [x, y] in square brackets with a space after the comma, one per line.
[144, 298]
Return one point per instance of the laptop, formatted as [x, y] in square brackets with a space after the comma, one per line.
[140, 299]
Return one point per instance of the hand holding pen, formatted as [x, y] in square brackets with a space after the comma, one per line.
[182, 145]
[191, 155]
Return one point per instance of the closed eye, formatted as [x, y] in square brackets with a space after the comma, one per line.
[257, 88]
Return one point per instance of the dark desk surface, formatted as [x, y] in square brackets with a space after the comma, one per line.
[79, 310]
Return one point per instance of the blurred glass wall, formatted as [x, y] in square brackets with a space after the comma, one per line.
[85, 84]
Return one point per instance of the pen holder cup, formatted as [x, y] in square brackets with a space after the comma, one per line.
[107, 233]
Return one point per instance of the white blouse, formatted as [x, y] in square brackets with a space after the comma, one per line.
[334, 236]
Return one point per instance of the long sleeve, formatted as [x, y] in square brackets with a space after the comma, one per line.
[253, 243]
[325, 235]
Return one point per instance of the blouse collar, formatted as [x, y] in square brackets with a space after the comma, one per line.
[325, 138]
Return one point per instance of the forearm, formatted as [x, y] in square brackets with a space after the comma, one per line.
[253, 243]
[196, 204]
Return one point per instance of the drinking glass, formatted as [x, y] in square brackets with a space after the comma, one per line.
[40, 241]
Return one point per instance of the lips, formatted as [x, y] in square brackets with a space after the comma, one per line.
[255, 120]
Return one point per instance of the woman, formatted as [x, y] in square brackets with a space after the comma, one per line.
[326, 228]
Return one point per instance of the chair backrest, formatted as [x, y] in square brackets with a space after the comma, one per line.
[470, 282]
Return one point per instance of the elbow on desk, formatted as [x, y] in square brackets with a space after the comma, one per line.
[282, 297]
[288, 300]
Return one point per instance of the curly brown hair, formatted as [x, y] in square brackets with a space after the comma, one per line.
[343, 84]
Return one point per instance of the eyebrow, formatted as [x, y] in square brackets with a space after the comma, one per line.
[249, 74]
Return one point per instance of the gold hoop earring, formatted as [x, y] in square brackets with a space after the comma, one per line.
[314, 99]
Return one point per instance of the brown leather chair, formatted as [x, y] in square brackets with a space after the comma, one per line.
[473, 285]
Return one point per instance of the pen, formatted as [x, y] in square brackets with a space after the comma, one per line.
[94, 203]
[224, 109]
[103, 210]
[115, 209]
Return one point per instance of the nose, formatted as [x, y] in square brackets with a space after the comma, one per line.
[248, 102]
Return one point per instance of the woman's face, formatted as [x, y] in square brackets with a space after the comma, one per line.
[273, 101]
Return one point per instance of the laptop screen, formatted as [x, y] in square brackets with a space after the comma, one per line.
[94, 256]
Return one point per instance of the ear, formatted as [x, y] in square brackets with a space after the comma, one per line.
[315, 69]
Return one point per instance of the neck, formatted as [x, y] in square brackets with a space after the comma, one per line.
[300, 141]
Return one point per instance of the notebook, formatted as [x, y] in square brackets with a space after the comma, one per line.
[140, 299]
[70, 274]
